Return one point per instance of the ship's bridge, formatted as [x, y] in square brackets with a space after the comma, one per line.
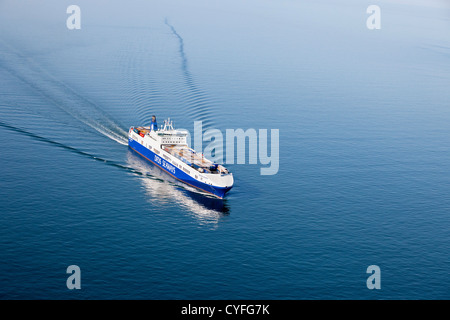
[169, 136]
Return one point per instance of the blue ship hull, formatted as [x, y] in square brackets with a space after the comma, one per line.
[175, 171]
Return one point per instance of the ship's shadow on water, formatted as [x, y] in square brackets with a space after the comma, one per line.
[167, 189]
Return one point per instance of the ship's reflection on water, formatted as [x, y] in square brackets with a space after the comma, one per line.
[166, 189]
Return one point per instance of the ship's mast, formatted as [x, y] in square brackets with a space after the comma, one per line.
[167, 125]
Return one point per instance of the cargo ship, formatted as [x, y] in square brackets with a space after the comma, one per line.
[167, 148]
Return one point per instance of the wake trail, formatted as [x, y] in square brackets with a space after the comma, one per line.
[62, 96]
[184, 65]
[196, 100]
[72, 149]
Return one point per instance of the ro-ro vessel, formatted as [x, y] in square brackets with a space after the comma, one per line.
[168, 149]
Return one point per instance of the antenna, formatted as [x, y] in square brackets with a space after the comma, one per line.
[168, 125]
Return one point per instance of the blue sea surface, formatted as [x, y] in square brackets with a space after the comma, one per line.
[364, 149]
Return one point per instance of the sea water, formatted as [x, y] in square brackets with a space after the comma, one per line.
[364, 149]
